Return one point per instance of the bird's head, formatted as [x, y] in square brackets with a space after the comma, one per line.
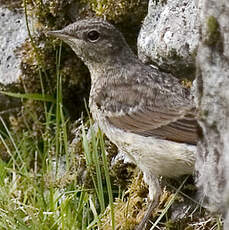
[93, 40]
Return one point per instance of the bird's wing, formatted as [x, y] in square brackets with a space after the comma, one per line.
[161, 108]
[182, 130]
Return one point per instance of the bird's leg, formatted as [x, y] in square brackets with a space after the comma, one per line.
[154, 194]
[152, 205]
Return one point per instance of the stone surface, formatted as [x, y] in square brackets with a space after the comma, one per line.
[169, 36]
[212, 163]
[13, 33]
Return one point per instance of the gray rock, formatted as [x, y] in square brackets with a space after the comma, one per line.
[13, 33]
[169, 36]
[212, 164]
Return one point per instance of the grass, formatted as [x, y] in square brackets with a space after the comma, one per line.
[30, 196]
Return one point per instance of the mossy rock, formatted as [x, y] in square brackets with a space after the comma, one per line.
[213, 31]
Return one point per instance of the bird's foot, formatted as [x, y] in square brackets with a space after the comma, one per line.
[152, 205]
[154, 195]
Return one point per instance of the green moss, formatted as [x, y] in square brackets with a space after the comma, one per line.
[161, 2]
[175, 64]
[181, 69]
[12, 5]
[194, 53]
[203, 114]
[174, 55]
[116, 10]
[213, 31]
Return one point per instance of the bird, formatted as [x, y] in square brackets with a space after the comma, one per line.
[147, 113]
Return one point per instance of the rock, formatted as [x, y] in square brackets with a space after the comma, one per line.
[212, 164]
[13, 33]
[169, 36]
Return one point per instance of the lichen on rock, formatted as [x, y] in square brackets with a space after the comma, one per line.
[213, 31]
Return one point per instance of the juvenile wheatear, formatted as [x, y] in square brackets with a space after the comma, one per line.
[147, 113]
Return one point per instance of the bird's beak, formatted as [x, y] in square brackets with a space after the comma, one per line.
[58, 33]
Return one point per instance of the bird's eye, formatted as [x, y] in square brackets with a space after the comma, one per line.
[93, 35]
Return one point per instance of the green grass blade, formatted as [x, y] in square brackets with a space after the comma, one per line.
[95, 158]
[12, 140]
[107, 176]
[165, 210]
[88, 157]
[32, 96]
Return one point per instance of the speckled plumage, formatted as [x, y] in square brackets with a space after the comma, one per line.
[145, 112]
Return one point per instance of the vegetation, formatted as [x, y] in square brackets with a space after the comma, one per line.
[39, 187]
[213, 31]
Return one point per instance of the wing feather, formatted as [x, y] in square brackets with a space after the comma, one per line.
[150, 106]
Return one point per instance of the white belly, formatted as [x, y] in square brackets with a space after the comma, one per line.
[152, 155]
